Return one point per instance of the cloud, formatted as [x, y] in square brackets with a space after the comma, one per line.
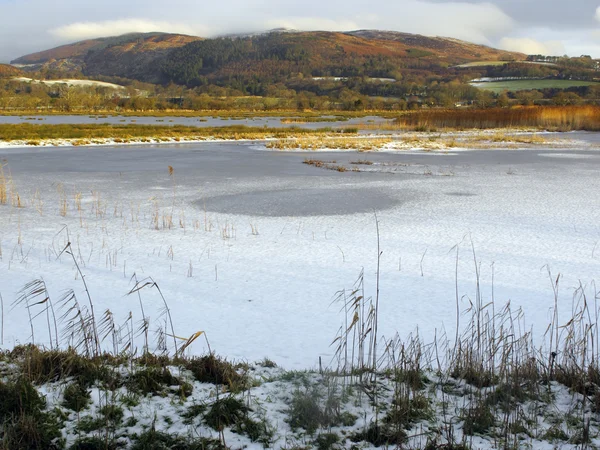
[88, 30]
[33, 25]
[312, 24]
[532, 46]
[479, 23]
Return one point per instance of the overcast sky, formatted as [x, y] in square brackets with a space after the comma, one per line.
[553, 27]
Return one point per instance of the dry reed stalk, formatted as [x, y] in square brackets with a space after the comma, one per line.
[3, 186]
[559, 118]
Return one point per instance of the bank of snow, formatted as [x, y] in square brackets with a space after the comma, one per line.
[72, 82]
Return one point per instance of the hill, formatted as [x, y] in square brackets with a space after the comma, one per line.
[275, 57]
[447, 47]
[9, 71]
[261, 58]
[134, 56]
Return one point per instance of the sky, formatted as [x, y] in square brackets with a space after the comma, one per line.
[552, 27]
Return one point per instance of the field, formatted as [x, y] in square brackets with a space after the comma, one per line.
[484, 64]
[501, 63]
[524, 85]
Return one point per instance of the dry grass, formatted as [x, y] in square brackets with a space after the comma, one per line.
[555, 118]
[313, 119]
[327, 142]
[8, 191]
[3, 186]
[95, 133]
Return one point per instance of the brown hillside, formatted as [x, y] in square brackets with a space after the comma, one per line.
[450, 47]
[275, 57]
[129, 56]
[9, 71]
[138, 59]
[76, 50]
[268, 58]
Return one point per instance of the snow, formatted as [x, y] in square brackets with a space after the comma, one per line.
[71, 82]
[270, 399]
[263, 284]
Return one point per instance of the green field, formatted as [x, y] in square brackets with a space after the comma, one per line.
[502, 63]
[484, 63]
[525, 85]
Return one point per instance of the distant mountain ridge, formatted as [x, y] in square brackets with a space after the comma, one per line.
[133, 55]
[269, 57]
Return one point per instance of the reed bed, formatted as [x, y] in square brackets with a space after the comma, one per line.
[328, 142]
[86, 134]
[313, 119]
[553, 118]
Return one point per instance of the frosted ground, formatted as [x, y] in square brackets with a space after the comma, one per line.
[253, 245]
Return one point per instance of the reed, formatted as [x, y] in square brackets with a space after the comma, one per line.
[327, 142]
[86, 134]
[555, 118]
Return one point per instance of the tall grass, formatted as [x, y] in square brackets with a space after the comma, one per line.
[503, 376]
[85, 134]
[557, 118]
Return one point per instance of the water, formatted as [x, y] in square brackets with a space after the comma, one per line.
[201, 122]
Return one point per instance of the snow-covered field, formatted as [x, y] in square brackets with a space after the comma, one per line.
[252, 246]
[70, 82]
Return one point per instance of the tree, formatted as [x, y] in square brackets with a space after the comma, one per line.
[502, 100]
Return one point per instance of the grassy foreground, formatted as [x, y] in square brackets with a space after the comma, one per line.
[527, 85]
[487, 387]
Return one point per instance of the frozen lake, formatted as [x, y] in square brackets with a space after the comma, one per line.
[252, 245]
[201, 122]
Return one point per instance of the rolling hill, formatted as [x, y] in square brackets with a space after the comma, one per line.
[268, 57]
[9, 71]
[135, 56]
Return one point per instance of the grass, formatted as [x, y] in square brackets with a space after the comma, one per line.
[155, 380]
[25, 423]
[313, 119]
[86, 134]
[327, 142]
[527, 85]
[330, 165]
[215, 370]
[557, 118]
[484, 63]
[156, 440]
[76, 397]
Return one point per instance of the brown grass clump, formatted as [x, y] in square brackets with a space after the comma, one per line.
[328, 142]
[43, 366]
[214, 370]
[330, 165]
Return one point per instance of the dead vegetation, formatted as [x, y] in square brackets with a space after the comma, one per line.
[552, 118]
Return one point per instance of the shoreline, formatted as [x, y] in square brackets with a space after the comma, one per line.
[492, 139]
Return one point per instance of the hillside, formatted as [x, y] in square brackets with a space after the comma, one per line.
[275, 57]
[272, 57]
[69, 51]
[9, 71]
[448, 47]
[134, 56]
